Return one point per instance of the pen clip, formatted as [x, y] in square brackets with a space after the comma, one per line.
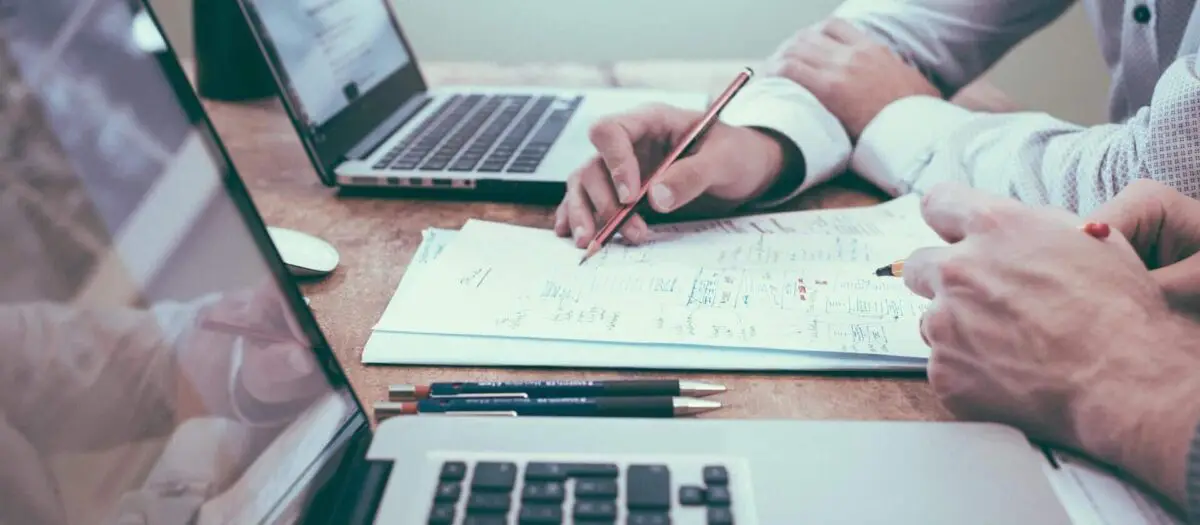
[511, 413]
[508, 395]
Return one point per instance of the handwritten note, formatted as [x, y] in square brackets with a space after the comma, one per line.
[790, 292]
[881, 220]
[712, 248]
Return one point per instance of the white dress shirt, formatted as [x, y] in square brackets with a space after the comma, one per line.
[1149, 46]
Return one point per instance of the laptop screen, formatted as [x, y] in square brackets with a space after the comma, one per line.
[331, 51]
[344, 72]
[155, 364]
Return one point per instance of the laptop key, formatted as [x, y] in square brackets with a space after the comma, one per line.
[488, 503]
[447, 492]
[691, 496]
[519, 167]
[491, 166]
[441, 514]
[592, 470]
[546, 471]
[453, 471]
[488, 519]
[715, 475]
[596, 489]
[648, 487]
[718, 496]
[594, 510]
[540, 514]
[648, 518]
[544, 491]
[494, 476]
[720, 516]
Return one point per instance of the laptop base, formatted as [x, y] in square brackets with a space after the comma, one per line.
[776, 471]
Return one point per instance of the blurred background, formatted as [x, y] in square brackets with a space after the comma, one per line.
[1059, 70]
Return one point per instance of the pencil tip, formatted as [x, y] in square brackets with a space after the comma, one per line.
[885, 271]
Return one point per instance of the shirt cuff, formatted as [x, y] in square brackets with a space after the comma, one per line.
[902, 139]
[782, 106]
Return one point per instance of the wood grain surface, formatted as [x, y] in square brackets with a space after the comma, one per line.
[377, 237]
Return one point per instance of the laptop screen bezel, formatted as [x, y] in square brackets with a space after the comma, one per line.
[237, 192]
[328, 144]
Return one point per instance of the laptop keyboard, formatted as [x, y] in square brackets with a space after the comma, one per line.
[493, 493]
[483, 133]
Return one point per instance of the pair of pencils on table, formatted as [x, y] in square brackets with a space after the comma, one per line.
[569, 398]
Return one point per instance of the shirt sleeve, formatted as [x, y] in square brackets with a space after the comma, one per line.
[950, 41]
[920, 141]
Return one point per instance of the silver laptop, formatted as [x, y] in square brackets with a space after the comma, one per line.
[173, 374]
[355, 92]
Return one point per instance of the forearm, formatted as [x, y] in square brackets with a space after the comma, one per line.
[1147, 426]
[952, 43]
[918, 142]
[78, 378]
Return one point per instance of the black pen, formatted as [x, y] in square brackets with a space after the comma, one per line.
[658, 406]
[549, 389]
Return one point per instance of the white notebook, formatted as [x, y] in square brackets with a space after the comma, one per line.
[789, 291]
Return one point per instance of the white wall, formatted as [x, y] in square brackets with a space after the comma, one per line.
[1059, 70]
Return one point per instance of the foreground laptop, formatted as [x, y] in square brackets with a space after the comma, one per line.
[159, 367]
[367, 117]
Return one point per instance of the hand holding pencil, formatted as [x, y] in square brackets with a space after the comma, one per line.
[726, 167]
[1097, 230]
[250, 336]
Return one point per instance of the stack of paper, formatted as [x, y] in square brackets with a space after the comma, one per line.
[790, 291]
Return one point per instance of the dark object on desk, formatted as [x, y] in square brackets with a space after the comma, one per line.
[229, 64]
[660, 406]
[549, 389]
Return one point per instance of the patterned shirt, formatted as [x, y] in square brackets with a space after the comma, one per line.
[1150, 47]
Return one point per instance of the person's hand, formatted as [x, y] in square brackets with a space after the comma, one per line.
[853, 76]
[1163, 225]
[730, 166]
[276, 364]
[1065, 336]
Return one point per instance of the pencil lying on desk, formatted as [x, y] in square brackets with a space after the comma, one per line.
[693, 136]
[1098, 230]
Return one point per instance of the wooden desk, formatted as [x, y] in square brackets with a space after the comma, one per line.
[377, 238]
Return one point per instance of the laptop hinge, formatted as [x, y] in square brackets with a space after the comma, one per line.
[352, 488]
[363, 508]
[387, 128]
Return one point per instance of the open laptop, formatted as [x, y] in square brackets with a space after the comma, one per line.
[161, 367]
[367, 117]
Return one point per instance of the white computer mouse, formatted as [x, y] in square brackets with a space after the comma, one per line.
[304, 254]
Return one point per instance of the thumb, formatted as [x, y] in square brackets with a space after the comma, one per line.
[1180, 283]
[681, 183]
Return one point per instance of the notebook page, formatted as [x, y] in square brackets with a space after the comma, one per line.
[900, 214]
[777, 292]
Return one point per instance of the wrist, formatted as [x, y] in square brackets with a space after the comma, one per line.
[1142, 418]
[784, 164]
